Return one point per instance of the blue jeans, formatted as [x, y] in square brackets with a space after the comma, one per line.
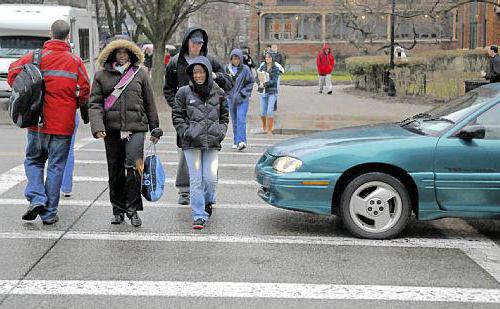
[203, 165]
[42, 147]
[267, 102]
[238, 114]
[67, 182]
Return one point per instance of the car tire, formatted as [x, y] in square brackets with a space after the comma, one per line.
[375, 206]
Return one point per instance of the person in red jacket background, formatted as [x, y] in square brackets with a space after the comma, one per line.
[67, 88]
[167, 57]
[325, 63]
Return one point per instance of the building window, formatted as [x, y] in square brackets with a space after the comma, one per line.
[290, 2]
[292, 27]
[345, 27]
[425, 27]
[83, 35]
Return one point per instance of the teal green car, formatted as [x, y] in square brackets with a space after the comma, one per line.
[443, 163]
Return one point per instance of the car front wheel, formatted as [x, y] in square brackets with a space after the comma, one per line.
[375, 206]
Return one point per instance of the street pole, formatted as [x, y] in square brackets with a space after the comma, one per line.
[258, 6]
[258, 38]
[391, 87]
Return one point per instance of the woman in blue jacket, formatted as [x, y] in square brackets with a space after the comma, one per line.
[239, 97]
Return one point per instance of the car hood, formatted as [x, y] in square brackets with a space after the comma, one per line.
[311, 143]
[5, 63]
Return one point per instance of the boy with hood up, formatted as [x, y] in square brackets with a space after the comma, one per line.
[200, 117]
[325, 64]
[194, 44]
[239, 97]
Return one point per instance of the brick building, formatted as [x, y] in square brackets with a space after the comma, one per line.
[299, 28]
[478, 25]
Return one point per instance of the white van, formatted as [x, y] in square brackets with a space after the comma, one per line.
[24, 28]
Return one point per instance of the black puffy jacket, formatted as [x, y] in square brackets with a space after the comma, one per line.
[200, 122]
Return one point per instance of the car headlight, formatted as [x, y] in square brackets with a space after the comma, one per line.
[287, 164]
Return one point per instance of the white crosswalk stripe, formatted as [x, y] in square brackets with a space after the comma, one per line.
[223, 153]
[461, 243]
[67, 202]
[249, 290]
[221, 165]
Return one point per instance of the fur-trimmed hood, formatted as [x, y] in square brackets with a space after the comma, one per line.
[128, 45]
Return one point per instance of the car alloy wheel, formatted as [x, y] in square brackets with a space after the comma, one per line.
[375, 205]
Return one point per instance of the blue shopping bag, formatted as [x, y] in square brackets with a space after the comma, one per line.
[153, 179]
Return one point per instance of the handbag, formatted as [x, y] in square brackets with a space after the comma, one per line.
[120, 87]
[153, 178]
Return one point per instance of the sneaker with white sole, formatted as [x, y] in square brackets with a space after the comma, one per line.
[242, 146]
[234, 146]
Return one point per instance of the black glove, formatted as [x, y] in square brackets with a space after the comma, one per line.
[157, 132]
[84, 113]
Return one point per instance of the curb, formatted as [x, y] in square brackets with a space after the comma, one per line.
[307, 83]
[294, 131]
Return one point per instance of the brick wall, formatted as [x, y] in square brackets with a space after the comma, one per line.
[301, 55]
[484, 12]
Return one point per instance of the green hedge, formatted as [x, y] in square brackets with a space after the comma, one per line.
[436, 73]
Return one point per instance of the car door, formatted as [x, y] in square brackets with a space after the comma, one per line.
[467, 171]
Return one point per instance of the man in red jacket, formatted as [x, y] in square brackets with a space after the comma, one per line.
[66, 88]
[325, 63]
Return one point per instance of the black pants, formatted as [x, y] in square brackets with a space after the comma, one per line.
[125, 164]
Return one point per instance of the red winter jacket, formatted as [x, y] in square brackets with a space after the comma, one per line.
[325, 62]
[63, 73]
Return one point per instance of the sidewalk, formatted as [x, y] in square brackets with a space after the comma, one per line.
[302, 109]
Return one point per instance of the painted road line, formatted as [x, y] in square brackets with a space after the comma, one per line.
[487, 258]
[249, 138]
[8, 180]
[235, 153]
[102, 162]
[84, 203]
[431, 243]
[250, 290]
[16, 175]
[249, 144]
[11, 178]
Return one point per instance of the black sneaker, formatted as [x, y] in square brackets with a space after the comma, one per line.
[117, 219]
[33, 212]
[51, 221]
[183, 199]
[208, 209]
[199, 224]
[330, 92]
[135, 220]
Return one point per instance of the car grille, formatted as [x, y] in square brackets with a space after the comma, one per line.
[3, 76]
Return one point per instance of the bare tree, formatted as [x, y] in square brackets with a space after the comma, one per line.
[427, 19]
[158, 20]
[225, 33]
[115, 16]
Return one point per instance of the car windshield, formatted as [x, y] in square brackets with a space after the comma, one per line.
[18, 46]
[439, 119]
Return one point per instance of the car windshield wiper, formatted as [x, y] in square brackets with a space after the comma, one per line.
[440, 119]
[417, 116]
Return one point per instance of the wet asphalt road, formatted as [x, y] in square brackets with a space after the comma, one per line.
[250, 255]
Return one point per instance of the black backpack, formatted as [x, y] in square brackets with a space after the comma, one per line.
[26, 99]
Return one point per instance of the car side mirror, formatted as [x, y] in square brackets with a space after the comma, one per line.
[472, 132]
